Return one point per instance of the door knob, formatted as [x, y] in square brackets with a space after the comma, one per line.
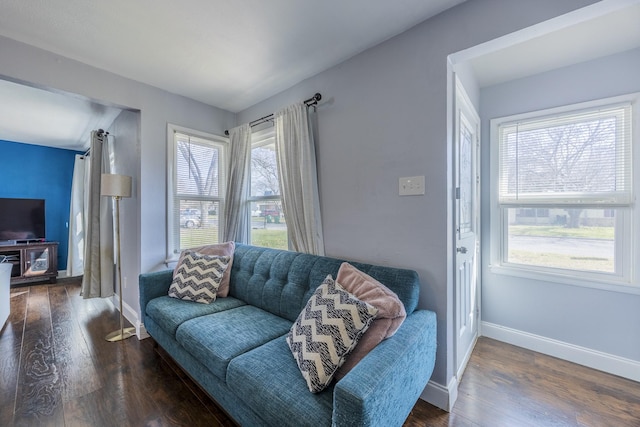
[462, 250]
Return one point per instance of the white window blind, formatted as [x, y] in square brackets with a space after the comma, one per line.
[195, 207]
[197, 167]
[579, 158]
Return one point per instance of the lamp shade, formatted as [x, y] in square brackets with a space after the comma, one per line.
[115, 185]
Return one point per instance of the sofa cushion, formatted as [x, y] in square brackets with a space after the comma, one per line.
[217, 338]
[281, 282]
[220, 249]
[273, 365]
[391, 312]
[169, 313]
[326, 330]
[198, 277]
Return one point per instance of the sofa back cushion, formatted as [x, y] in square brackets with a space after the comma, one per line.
[282, 282]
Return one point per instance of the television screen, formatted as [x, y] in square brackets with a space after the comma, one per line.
[22, 219]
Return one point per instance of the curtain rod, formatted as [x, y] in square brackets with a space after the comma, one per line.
[309, 102]
[101, 133]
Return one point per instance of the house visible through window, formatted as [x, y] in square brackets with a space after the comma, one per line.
[563, 198]
[268, 223]
[197, 189]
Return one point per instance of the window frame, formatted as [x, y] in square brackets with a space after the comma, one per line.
[624, 279]
[172, 213]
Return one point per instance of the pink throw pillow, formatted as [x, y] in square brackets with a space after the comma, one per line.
[391, 312]
[221, 249]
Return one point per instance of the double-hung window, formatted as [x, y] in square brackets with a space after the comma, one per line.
[562, 194]
[196, 185]
[268, 223]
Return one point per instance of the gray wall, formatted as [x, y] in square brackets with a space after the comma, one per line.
[384, 116]
[596, 319]
[147, 162]
[125, 131]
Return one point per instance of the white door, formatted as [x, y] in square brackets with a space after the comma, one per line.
[467, 231]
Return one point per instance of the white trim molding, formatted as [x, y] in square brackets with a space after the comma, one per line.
[141, 331]
[441, 396]
[131, 315]
[605, 362]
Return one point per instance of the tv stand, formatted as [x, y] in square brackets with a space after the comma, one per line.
[29, 241]
[32, 262]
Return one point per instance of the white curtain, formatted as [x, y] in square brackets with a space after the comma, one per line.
[77, 217]
[296, 156]
[236, 210]
[98, 255]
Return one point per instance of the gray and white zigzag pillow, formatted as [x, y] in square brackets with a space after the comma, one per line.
[326, 331]
[198, 277]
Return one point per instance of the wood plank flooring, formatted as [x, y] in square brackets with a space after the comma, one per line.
[56, 369]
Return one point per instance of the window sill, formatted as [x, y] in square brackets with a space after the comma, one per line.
[610, 284]
[169, 261]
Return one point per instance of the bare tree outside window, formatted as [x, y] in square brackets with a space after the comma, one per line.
[567, 159]
[562, 179]
[268, 223]
[264, 172]
[201, 164]
[197, 191]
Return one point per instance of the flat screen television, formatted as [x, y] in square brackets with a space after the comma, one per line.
[22, 220]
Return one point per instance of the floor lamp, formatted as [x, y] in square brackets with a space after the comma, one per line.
[117, 186]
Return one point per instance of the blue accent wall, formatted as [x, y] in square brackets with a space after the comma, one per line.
[36, 172]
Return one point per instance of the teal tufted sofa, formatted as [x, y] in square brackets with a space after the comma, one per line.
[235, 347]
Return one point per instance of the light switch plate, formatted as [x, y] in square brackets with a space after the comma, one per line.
[411, 186]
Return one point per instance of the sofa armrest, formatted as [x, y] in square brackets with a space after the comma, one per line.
[153, 285]
[385, 385]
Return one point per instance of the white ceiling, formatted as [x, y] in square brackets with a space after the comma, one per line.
[229, 54]
[233, 54]
[40, 117]
[594, 37]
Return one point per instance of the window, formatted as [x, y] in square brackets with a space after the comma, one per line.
[268, 224]
[562, 192]
[196, 189]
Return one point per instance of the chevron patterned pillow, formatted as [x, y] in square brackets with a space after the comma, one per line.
[198, 277]
[326, 330]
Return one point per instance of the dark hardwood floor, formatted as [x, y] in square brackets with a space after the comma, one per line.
[57, 370]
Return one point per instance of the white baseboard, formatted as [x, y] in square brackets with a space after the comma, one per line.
[131, 315]
[605, 362]
[467, 356]
[141, 331]
[441, 396]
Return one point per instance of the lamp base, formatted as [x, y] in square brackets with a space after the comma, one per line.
[120, 334]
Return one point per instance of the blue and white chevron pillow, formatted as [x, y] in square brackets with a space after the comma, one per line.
[326, 330]
[198, 277]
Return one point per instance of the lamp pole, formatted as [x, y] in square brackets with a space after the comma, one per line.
[118, 186]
